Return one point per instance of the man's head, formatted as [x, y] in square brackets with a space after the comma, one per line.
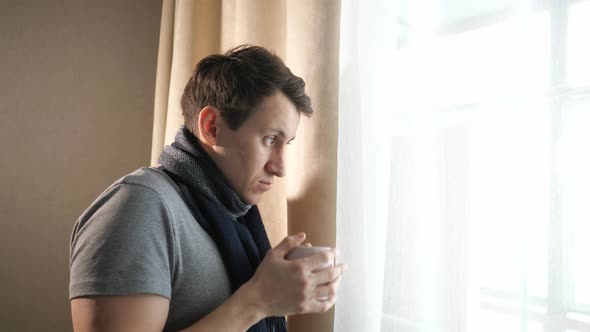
[244, 106]
[236, 82]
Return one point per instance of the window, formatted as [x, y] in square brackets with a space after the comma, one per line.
[520, 80]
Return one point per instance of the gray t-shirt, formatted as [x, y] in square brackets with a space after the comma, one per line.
[140, 237]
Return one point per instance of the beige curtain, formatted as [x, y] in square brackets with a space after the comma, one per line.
[305, 34]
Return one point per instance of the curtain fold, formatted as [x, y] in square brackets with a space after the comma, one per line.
[313, 29]
[364, 160]
[189, 31]
[162, 79]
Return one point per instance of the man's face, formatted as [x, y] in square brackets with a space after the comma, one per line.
[251, 156]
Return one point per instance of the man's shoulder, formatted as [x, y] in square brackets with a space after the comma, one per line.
[143, 183]
[150, 178]
[146, 176]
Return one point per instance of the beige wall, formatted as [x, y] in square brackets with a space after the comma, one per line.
[76, 109]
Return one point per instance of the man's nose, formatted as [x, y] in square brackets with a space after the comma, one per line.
[276, 164]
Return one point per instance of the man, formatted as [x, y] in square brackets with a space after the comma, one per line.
[182, 246]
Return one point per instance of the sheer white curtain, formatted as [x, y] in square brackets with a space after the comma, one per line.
[463, 166]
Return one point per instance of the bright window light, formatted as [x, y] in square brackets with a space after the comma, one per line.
[578, 51]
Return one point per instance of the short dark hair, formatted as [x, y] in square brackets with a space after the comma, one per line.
[236, 82]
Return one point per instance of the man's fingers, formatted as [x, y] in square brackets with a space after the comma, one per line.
[321, 259]
[323, 293]
[326, 276]
[289, 243]
[325, 297]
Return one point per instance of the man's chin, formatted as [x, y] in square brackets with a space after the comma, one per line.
[252, 199]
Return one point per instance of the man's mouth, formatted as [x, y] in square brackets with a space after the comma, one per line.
[266, 184]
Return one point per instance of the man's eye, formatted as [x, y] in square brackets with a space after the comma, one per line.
[269, 140]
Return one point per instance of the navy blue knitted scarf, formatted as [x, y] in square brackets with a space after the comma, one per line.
[235, 227]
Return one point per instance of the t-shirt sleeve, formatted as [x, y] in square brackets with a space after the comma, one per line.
[123, 244]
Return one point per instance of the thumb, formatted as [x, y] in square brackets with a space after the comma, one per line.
[289, 243]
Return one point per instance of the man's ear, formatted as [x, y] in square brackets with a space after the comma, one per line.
[208, 124]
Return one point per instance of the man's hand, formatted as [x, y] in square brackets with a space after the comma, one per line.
[283, 287]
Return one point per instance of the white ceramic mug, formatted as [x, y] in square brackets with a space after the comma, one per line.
[303, 251]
